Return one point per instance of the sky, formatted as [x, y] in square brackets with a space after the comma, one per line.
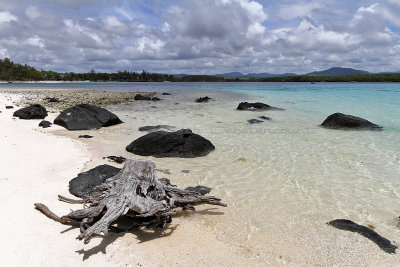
[201, 36]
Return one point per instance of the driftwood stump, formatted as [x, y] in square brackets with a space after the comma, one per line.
[134, 193]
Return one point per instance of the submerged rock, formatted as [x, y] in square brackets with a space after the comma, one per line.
[155, 128]
[45, 124]
[33, 112]
[182, 144]
[86, 117]
[203, 99]
[116, 159]
[351, 226]
[85, 136]
[256, 106]
[82, 186]
[202, 190]
[252, 121]
[343, 121]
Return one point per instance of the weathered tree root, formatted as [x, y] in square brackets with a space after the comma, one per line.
[134, 193]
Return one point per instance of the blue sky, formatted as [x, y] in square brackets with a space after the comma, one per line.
[201, 36]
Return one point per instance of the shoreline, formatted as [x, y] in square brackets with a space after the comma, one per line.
[200, 233]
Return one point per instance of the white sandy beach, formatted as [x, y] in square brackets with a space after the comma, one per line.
[37, 165]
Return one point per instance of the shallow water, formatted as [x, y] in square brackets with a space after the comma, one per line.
[283, 179]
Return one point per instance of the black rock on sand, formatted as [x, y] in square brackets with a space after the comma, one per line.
[202, 190]
[203, 99]
[182, 144]
[45, 124]
[256, 106]
[82, 185]
[33, 112]
[343, 121]
[252, 121]
[86, 117]
[351, 226]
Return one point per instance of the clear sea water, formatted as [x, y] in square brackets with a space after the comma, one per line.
[285, 178]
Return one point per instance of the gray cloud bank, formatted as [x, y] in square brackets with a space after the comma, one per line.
[210, 36]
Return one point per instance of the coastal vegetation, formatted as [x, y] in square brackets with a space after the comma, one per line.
[10, 71]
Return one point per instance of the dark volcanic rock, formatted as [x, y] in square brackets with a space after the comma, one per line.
[202, 190]
[203, 99]
[9, 107]
[252, 121]
[183, 144]
[343, 121]
[256, 106]
[351, 226]
[265, 118]
[156, 99]
[52, 100]
[33, 112]
[140, 97]
[155, 128]
[86, 117]
[45, 124]
[85, 136]
[83, 185]
[166, 94]
[116, 159]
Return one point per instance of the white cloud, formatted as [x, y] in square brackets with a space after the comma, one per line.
[297, 10]
[6, 16]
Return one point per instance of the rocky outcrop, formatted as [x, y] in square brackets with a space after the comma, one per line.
[256, 106]
[83, 185]
[343, 121]
[33, 112]
[182, 144]
[86, 117]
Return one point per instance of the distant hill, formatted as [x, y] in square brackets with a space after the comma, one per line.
[253, 75]
[337, 72]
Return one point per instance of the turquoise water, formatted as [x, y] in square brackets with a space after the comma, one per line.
[282, 179]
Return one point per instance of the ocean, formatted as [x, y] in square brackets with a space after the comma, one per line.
[282, 179]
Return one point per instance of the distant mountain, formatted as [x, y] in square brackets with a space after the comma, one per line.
[253, 75]
[337, 72]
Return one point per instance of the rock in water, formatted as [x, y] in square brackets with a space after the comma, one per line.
[203, 99]
[343, 121]
[252, 121]
[182, 144]
[83, 185]
[141, 97]
[202, 190]
[45, 124]
[155, 128]
[86, 117]
[256, 106]
[33, 112]
[351, 226]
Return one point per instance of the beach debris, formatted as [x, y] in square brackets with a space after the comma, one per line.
[343, 121]
[85, 136]
[9, 107]
[116, 159]
[33, 112]
[182, 144]
[155, 128]
[52, 100]
[201, 189]
[256, 106]
[86, 117]
[45, 124]
[134, 194]
[265, 118]
[203, 99]
[252, 121]
[367, 232]
[83, 185]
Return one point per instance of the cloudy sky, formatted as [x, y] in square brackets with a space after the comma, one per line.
[201, 36]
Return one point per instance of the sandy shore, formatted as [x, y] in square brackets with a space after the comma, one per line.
[37, 166]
